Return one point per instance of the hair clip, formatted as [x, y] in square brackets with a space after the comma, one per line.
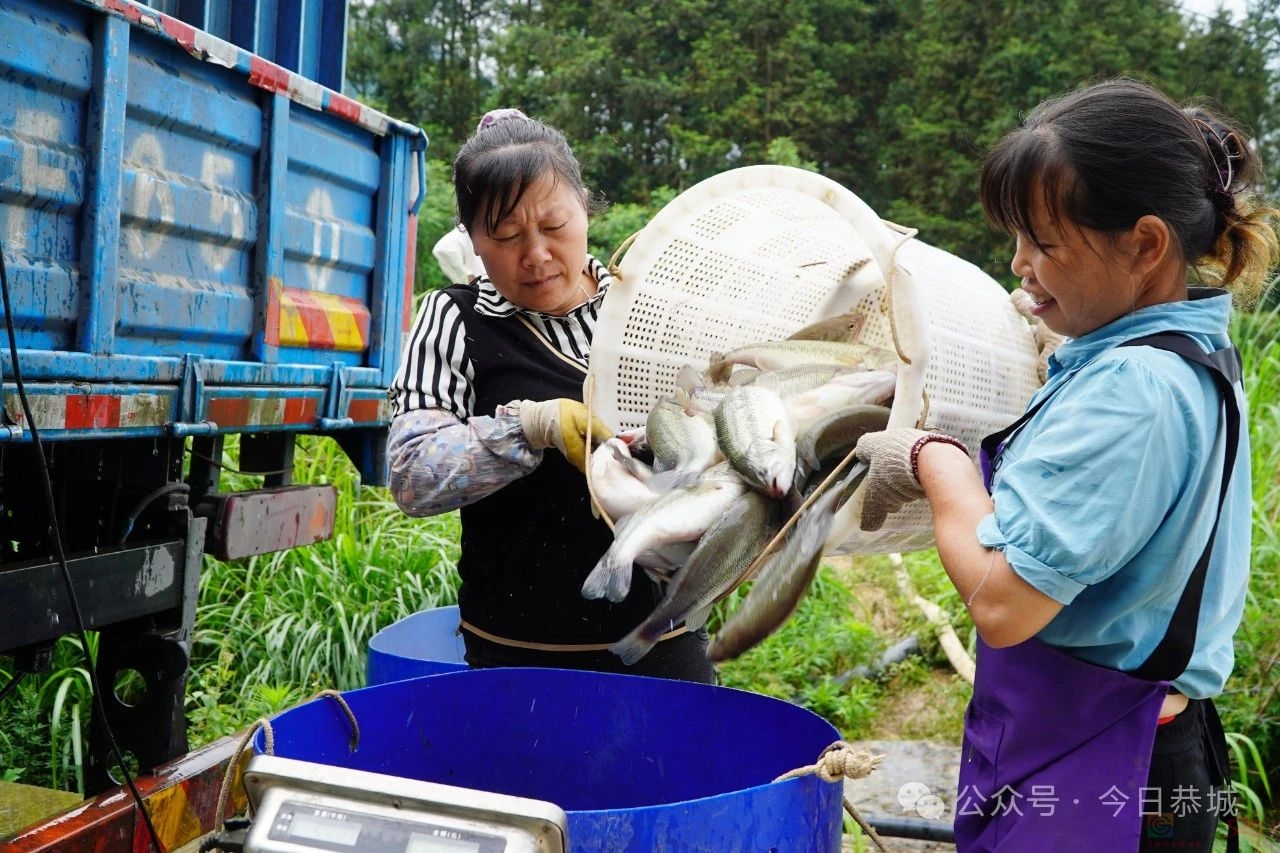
[494, 116]
[1226, 173]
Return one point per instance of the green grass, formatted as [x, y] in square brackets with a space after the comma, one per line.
[809, 660]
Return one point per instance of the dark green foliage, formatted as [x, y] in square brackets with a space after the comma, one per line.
[896, 101]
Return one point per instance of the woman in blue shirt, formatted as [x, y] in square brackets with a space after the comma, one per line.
[1105, 558]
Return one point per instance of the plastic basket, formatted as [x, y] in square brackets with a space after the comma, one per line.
[756, 253]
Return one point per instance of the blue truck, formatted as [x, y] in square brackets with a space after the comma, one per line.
[201, 238]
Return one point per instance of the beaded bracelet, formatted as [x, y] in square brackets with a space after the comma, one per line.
[925, 439]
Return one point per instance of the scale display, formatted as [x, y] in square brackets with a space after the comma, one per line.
[302, 807]
[319, 827]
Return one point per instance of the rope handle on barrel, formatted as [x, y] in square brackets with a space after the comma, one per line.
[840, 761]
[269, 736]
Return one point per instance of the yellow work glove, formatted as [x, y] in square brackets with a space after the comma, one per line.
[562, 424]
[1047, 340]
[893, 480]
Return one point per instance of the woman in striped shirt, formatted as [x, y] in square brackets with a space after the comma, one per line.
[488, 416]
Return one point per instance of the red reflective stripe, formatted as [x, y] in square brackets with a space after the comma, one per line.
[92, 411]
[133, 13]
[300, 410]
[267, 75]
[271, 333]
[229, 411]
[183, 33]
[362, 411]
[344, 107]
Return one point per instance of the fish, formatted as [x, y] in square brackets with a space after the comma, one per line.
[775, 355]
[665, 560]
[726, 551]
[838, 432]
[621, 483]
[784, 578]
[755, 434]
[696, 392]
[802, 378]
[680, 515]
[851, 389]
[842, 327]
[683, 443]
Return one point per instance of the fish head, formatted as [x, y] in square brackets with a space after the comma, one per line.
[769, 466]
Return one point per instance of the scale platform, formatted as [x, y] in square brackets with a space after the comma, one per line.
[301, 807]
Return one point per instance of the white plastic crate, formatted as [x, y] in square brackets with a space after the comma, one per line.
[756, 253]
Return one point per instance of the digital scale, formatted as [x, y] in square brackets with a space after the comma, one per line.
[300, 807]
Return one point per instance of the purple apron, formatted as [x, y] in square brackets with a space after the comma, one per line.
[1057, 751]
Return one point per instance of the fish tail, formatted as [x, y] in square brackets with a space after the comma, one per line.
[635, 645]
[611, 578]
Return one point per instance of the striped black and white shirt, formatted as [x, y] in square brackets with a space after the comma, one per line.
[442, 453]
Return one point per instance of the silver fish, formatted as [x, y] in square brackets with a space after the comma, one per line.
[866, 387]
[681, 515]
[755, 434]
[802, 378]
[622, 483]
[775, 355]
[683, 443]
[716, 566]
[842, 327]
[783, 579]
[695, 392]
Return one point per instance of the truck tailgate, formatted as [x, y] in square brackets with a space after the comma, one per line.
[194, 237]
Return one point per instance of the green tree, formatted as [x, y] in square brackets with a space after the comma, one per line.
[899, 102]
[422, 61]
[977, 68]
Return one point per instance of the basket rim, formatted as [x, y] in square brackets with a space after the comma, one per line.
[881, 238]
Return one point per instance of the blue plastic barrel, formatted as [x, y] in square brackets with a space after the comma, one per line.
[639, 764]
[423, 643]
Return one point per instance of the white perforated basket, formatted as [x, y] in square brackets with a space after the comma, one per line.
[756, 253]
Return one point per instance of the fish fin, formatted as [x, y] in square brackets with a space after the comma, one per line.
[611, 578]
[633, 646]
[684, 399]
[633, 466]
[718, 369]
[667, 481]
[690, 380]
[697, 618]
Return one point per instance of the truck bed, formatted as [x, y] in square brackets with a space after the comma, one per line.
[196, 241]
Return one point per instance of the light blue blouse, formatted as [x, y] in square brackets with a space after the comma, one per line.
[1105, 499]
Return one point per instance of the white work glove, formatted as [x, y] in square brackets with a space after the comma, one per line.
[562, 423]
[893, 480]
[1046, 339]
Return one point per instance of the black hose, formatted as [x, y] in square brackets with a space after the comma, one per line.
[148, 499]
[909, 827]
